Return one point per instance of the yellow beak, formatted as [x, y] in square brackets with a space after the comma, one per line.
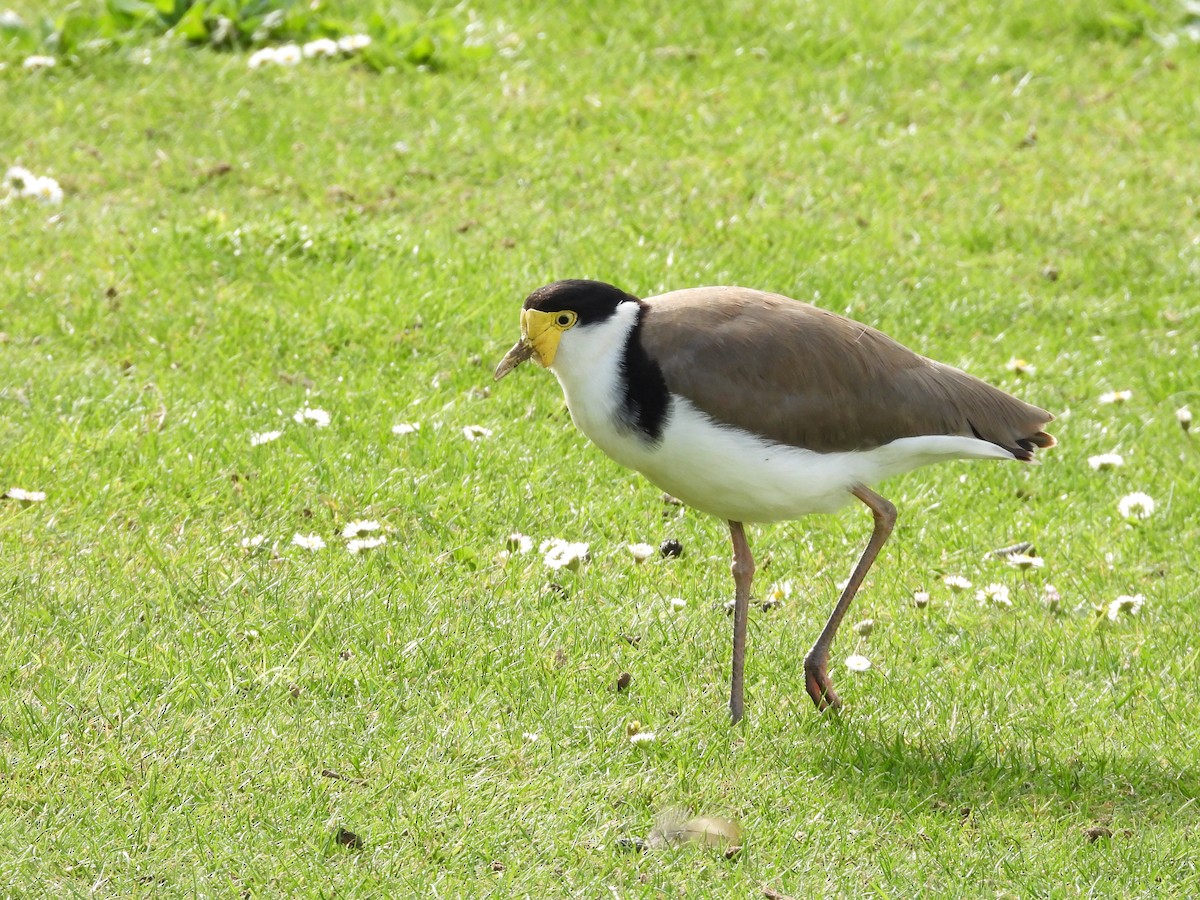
[539, 339]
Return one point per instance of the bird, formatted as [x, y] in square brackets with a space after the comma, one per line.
[757, 408]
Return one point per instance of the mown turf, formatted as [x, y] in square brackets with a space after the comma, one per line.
[180, 716]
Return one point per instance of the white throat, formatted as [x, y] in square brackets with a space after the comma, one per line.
[588, 367]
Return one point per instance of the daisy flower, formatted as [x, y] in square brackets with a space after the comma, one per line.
[1183, 416]
[1103, 461]
[1020, 367]
[39, 62]
[23, 183]
[531, 736]
[316, 417]
[643, 737]
[44, 189]
[475, 432]
[641, 552]
[17, 177]
[288, 55]
[320, 47]
[780, 591]
[16, 493]
[260, 58]
[1023, 561]
[251, 543]
[352, 43]
[519, 543]
[560, 554]
[857, 663]
[308, 541]
[678, 603]
[354, 529]
[865, 627]
[1125, 604]
[1136, 506]
[1115, 397]
[1051, 597]
[265, 437]
[994, 595]
[358, 545]
[921, 599]
[956, 583]
[406, 428]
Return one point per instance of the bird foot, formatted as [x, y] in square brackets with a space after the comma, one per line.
[818, 684]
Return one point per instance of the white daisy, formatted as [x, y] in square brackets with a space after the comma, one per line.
[288, 55]
[354, 529]
[1129, 605]
[531, 736]
[307, 415]
[17, 177]
[1115, 397]
[265, 437]
[921, 599]
[994, 595]
[519, 543]
[352, 43]
[561, 554]
[16, 493]
[308, 541]
[475, 432]
[780, 591]
[251, 543]
[1136, 506]
[678, 603]
[260, 58]
[1023, 561]
[44, 189]
[1051, 597]
[865, 627]
[641, 552]
[956, 583]
[1103, 461]
[406, 428]
[643, 737]
[857, 663]
[1020, 367]
[320, 47]
[1183, 416]
[39, 62]
[360, 544]
[9, 19]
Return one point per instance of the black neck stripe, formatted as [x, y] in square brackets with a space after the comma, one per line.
[645, 401]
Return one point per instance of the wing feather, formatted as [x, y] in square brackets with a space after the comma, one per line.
[800, 375]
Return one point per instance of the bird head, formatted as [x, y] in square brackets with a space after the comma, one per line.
[551, 312]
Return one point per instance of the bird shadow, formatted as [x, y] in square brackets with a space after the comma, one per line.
[971, 769]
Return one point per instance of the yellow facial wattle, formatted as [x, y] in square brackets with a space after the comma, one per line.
[540, 334]
[541, 331]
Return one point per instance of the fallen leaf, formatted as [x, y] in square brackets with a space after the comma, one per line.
[672, 828]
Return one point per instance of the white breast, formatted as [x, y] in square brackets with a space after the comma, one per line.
[720, 469]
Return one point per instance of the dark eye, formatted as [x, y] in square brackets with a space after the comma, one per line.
[563, 319]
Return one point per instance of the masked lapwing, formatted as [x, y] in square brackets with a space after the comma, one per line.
[754, 407]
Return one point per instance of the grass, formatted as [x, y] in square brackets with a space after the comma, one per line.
[179, 716]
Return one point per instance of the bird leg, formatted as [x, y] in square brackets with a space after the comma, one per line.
[816, 664]
[743, 573]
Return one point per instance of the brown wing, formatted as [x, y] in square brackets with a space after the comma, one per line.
[804, 376]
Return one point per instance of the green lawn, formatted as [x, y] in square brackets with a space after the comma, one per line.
[179, 715]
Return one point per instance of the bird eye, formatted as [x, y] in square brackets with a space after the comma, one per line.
[565, 319]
